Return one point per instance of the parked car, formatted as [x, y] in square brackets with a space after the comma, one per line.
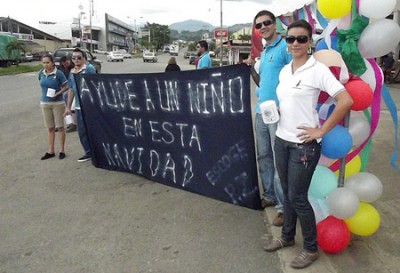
[67, 51]
[115, 56]
[27, 57]
[212, 54]
[192, 58]
[37, 56]
[99, 51]
[149, 57]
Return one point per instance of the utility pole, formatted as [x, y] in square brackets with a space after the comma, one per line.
[90, 20]
[220, 37]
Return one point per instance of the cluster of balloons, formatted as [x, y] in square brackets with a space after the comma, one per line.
[341, 211]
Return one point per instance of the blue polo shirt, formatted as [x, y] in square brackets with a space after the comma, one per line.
[87, 68]
[204, 61]
[56, 79]
[273, 58]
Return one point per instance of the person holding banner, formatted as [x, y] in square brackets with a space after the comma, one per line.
[204, 59]
[273, 58]
[297, 145]
[79, 60]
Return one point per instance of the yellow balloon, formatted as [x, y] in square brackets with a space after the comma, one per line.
[352, 167]
[334, 8]
[366, 220]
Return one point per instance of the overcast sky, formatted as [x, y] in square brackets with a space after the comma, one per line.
[163, 12]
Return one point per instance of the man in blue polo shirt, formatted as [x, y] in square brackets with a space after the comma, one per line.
[204, 59]
[79, 60]
[273, 58]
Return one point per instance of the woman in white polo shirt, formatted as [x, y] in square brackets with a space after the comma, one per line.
[297, 146]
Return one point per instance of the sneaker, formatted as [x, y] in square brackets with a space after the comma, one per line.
[71, 128]
[84, 158]
[277, 243]
[267, 203]
[304, 259]
[278, 220]
[47, 156]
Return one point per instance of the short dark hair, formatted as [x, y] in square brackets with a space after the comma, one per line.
[77, 49]
[64, 59]
[301, 24]
[203, 43]
[267, 13]
[48, 56]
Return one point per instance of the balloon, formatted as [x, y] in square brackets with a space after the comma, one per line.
[352, 167]
[320, 208]
[379, 38]
[336, 143]
[323, 182]
[376, 9]
[343, 203]
[365, 222]
[325, 161]
[333, 235]
[328, 57]
[361, 93]
[366, 185]
[334, 8]
[359, 128]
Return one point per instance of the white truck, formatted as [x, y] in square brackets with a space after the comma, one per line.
[174, 50]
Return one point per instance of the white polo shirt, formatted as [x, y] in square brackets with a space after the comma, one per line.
[298, 96]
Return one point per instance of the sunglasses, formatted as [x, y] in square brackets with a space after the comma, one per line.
[198, 46]
[302, 39]
[76, 58]
[265, 23]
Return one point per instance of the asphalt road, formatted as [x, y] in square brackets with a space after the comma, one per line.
[65, 216]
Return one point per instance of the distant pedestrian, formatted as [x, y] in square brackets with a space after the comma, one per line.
[53, 83]
[172, 66]
[204, 59]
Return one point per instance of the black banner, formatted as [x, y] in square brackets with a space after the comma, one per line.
[190, 129]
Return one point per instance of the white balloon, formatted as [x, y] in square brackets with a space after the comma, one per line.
[366, 185]
[379, 38]
[359, 128]
[343, 203]
[376, 9]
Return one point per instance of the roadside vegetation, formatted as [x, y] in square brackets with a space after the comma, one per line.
[17, 69]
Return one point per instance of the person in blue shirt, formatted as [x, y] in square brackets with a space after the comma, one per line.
[53, 83]
[79, 60]
[204, 59]
[273, 57]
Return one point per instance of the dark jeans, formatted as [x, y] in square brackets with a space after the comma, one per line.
[82, 132]
[295, 164]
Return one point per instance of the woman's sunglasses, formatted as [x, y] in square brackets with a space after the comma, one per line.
[302, 39]
[265, 23]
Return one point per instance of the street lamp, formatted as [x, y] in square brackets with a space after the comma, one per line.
[220, 32]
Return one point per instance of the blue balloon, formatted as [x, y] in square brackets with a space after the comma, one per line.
[336, 143]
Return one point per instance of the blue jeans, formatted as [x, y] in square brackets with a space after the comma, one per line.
[82, 132]
[265, 136]
[296, 164]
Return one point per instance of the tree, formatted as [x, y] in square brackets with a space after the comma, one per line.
[14, 47]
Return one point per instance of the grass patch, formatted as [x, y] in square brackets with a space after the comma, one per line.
[18, 69]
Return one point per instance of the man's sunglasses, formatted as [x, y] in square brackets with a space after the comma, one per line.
[265, 23]
[76, 58]
[302, 39]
